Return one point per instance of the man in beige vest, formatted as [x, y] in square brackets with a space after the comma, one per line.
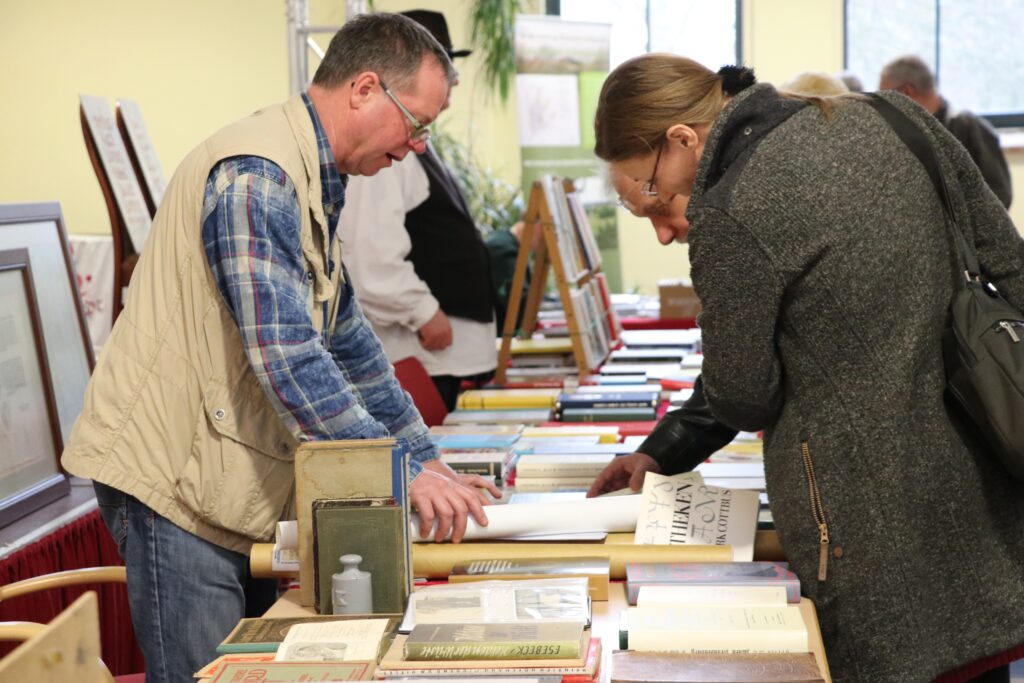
[240, 337]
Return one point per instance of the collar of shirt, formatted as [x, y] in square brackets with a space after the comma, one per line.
[331, 181]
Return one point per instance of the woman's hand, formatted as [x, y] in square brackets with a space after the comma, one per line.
[625, 470]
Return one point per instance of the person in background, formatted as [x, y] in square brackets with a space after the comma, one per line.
[502, 251]
[815, 84]
[851, 81]
[912, 77]
[418, 262]
[241, 337]
[825, 286]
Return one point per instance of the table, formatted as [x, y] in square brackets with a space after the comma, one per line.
[605, 622]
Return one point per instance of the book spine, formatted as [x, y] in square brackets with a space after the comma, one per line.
[528, 470]
[606, 415]
[608, 405]
[482, 468]
[491, 650]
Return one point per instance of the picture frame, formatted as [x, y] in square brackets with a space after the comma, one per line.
[30, 436]
[39, 228]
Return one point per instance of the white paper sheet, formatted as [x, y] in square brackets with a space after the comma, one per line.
[561, 517]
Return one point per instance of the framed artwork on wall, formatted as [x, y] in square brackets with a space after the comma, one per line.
[39, 229]
[30, 437]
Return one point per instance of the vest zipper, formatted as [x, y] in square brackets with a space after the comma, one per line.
[817, 509]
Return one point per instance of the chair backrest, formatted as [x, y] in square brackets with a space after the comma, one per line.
[414, 379]
[66, 649]
[130, 220]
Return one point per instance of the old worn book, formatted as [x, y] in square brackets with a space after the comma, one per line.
[394, 660]
[347, 640]
[332, 470]
[726, 629]
[266, 635]
[289, 672]
[670, 667]
[711, 574]
[542, 640]
[373, 528]
[595, 569]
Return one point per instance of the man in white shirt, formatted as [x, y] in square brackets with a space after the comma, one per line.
[418, 264]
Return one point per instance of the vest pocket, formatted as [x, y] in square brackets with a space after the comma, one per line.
[239, 475]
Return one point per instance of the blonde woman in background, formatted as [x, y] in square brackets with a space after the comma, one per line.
[819, 255]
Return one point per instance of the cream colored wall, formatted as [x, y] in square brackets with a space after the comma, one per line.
[195, 65]
[192, 65]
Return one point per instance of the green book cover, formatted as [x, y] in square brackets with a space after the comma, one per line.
[375, 529]
[547, 640]
[263, 635]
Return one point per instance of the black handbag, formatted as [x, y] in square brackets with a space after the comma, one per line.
[983, 345]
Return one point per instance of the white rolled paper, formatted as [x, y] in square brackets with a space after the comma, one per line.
[611, 515]
[287, 535]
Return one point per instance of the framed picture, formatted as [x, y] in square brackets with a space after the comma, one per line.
[39, 228]
[30, 437]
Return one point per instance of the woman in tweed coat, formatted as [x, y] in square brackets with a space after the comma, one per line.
[820, 256]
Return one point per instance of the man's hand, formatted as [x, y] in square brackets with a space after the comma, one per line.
[474, 481]
[623, 471]
[439, 497]
[436, 333]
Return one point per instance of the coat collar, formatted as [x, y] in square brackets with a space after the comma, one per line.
[742, 124]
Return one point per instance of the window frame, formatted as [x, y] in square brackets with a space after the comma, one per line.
[1011, 120]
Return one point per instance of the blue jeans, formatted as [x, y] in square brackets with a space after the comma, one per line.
[185, 593]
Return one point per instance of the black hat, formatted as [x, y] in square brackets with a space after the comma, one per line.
[438, 27]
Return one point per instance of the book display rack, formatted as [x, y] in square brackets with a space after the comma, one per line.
[569, 248]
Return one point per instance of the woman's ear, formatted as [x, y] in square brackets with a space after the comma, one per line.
[682, 135]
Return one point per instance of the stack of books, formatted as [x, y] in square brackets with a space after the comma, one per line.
[607, 406]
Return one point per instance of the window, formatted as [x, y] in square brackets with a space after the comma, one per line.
[705, 31]
[971, 47]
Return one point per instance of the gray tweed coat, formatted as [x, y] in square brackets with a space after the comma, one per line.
[820, 256]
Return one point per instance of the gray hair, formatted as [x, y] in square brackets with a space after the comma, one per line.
[909, 70]
[390, 45]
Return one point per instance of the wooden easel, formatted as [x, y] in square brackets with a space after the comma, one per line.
[539, 216]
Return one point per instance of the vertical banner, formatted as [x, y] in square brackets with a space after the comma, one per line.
[560, 67]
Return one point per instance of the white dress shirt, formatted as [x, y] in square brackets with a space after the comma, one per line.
[397, 302]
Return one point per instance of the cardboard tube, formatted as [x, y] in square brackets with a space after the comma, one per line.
[261, 563]
[435, 560]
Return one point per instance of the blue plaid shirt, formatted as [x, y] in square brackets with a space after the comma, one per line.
[342, 389]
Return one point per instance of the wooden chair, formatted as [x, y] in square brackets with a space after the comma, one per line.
[414, 379]
[66, 649]
[51, 653]
[130, 219]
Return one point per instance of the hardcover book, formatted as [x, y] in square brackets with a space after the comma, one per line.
[333, 470]
[725, 629]
[289, 672]
[595, 569]
[613, 399]
[266, 635]
[394, 661]
[672, 667]
[564, 465]
[463, 642]
[374, 529]
[712, 573]
[607, 414]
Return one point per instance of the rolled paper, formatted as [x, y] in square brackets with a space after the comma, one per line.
[435, 560]
[615, 514]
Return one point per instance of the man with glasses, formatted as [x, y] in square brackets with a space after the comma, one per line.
[240, 337]
[418, 264]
